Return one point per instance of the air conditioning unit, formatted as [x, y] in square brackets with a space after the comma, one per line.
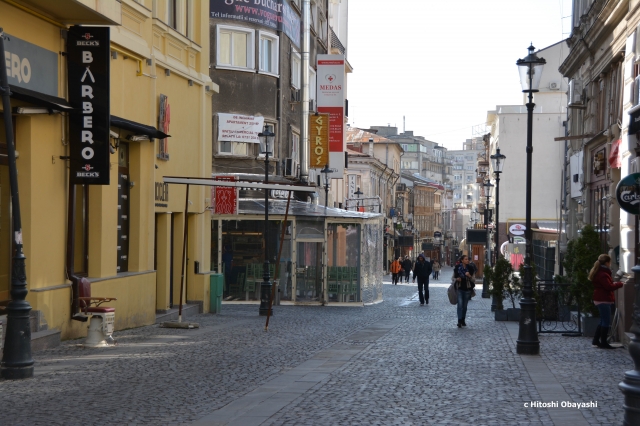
[290, 168]
[554, 86]
[295, 95]
[575, 93]
[401, 187]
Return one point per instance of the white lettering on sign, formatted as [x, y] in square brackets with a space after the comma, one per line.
[87, 107]
[17, 68]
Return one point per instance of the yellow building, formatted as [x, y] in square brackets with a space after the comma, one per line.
[127, 235]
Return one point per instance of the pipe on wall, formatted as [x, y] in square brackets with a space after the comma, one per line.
[304, 122]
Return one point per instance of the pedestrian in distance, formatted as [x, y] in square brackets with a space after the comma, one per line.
[422, 271]
[396, 267]
[436, 270]
[603, 298]
[465, 285]
[407, 265]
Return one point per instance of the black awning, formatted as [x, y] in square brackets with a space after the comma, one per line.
[40, 99]
[634, 122]
[137, 128]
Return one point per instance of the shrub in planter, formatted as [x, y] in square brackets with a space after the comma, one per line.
[499, 278]
[581, 253]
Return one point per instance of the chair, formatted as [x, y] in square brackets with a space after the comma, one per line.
[333, 280]
[102, 317]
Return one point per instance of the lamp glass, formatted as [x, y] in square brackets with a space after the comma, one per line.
[488, 189]
[266, 140]
[530, 69]
[497, 161]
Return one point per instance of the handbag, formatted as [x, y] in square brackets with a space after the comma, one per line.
[452, 293]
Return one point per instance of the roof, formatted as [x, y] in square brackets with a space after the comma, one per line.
[416, 178]
[355, 135]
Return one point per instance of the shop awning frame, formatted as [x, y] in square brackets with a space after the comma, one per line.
[236, 184]
[137, 128]
[49, 102]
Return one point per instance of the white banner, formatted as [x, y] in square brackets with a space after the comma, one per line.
[330, 80]
[239, 128]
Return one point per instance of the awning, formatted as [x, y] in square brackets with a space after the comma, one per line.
[40, 99]
[137, 128]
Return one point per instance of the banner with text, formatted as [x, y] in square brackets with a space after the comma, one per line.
[318, 140]
[224, 199]
[239, 128]
[330, 94]
[88, 59]
[275, 14]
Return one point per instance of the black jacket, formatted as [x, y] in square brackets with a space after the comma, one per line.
[422, 269]
[406, 264]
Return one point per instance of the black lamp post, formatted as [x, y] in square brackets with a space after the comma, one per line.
[326, 170]
[17, 362]
[266, 148]
[528, 344]
[497, 161]
[488, 189]
[358, 193]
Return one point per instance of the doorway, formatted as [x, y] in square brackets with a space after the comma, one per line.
[309, 271]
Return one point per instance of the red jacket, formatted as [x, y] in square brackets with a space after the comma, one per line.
[603, 286]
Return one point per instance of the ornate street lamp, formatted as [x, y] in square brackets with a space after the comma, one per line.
[326, 170]
[528, 344]
[488, 188]
[17, 362]
[497, 161]
[358, 194]
[266, 147]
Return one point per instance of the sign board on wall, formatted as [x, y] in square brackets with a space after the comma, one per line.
[517, 229]
[318, 140]
[330, 97]
[351, 186]
[31, 66]
[628, 193]
[275, 14]
[89, 93]
[239, 128]
[224, 199]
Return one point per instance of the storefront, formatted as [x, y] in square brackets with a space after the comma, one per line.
[318, 256]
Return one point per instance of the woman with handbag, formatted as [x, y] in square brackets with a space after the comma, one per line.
[603, 298]
[465, 286]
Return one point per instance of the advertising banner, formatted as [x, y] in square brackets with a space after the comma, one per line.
[224, 199]
[319, 140]
[30, 66]
[330, 97]
[628, 193]
[274, 14]
[239, 128]
[88, 61]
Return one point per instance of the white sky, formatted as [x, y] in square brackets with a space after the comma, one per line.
[443, 63]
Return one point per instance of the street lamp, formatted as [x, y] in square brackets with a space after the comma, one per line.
[488, 187]
[358, 193]
[326, 170]
[17, 362]
[528, 344]
[266, 148]
[497, 161]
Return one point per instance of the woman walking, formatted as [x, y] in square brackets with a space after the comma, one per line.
[396, 267]
[603, 298]
[464, 285]
[436, 270]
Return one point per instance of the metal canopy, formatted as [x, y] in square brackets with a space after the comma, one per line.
[250, 206]
[237, 184]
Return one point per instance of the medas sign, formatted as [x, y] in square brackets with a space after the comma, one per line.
[628, 193]
[88, 73]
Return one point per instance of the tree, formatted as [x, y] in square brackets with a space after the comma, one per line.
[581, 254]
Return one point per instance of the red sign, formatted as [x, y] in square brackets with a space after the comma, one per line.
[224, 199]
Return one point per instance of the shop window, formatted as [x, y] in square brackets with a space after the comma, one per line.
[235, 48]
[269, 48]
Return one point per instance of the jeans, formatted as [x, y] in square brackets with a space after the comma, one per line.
[605, 314]
[423, 282]
[463, 299]
[406, 276]
[394, 278]
[436, 274]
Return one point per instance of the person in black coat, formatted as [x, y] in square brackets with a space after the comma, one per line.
[422, 271]
[406, 265]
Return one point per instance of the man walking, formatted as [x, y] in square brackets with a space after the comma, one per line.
[422, 270]
[395, 270]
[406, 265]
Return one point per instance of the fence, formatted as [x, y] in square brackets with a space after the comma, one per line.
[554, 307]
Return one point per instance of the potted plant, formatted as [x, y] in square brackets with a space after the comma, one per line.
[513, 291]
[500, 281]
[581, 253]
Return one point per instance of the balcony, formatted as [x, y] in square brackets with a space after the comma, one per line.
[72, 12]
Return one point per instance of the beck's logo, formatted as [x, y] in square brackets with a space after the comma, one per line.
[87, 167]
[87, 36]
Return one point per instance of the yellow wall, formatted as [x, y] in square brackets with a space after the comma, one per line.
[145, 48]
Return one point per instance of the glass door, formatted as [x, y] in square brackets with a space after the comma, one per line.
[309, 271]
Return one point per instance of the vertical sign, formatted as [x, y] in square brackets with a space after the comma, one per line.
[330, 94]
[351, 189]
[224, 199]
[318, 140]
[88, 74]
[164, 119]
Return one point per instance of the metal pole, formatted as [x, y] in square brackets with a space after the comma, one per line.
[184, 251]
[630, 386]
[17, 362]
[265, 288]
[497, 215]
[527, 343]
[304, 121]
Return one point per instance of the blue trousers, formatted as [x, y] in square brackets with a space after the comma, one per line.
[605, 314]
[463, 299]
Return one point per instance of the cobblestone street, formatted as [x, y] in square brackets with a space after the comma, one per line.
[393, 363]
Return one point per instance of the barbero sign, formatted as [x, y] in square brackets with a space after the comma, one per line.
[628, 193]
[88, 73]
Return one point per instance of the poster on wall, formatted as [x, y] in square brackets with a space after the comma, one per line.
[224, 199]
[88, 62]
[239, 128]
[274, 14]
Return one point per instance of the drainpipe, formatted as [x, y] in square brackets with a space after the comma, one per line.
[304, 120]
